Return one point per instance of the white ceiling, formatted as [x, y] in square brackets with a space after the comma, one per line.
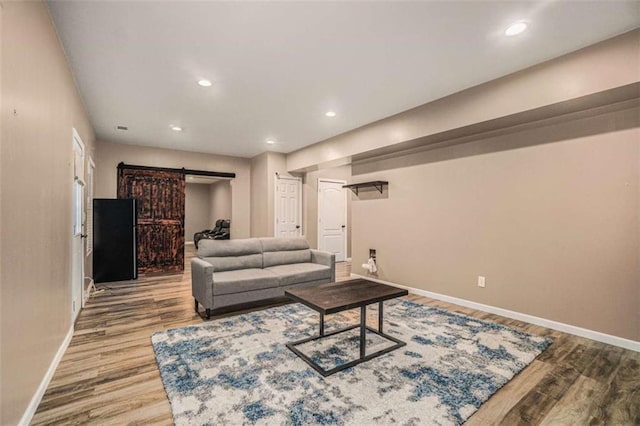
[277, 67]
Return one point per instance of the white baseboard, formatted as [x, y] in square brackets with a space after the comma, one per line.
[37, 397]
[189, 243]
[554, 325]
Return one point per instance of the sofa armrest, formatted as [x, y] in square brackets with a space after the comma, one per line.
[325, 258]
[202, 282]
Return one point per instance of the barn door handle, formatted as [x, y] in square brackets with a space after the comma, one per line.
[343, 226]
[297, 226]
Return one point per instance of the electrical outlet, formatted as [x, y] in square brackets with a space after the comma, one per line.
[480, 281]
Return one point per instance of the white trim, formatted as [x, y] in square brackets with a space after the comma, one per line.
[90, 190]
[92, 286]
[344, 182]
[37, 397]
[189, 243]
[75, 137]
[554, 325]
[346, 207]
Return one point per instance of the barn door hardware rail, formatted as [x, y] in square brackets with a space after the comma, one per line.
[377, 184]
[184, 171]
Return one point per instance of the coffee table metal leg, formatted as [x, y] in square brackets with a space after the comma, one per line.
[380, 317]
[321, 324]
[363, 356]
[363, 329]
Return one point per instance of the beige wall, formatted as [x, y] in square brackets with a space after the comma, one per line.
[36, 183]
[197, 209]
[259, 196]
[310, 202]
[598, 68]
[530, 180]
[220, 200]
[552, 224]
[110, 154]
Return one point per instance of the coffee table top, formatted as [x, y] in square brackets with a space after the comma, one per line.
[335, 297]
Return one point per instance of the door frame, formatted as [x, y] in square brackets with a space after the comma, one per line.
[275, 202]
[346, 225]
[89, 191]
[78, 179]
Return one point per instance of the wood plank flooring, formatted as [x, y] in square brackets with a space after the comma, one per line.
[109, 374]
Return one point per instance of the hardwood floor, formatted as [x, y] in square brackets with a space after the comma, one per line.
[109, 374]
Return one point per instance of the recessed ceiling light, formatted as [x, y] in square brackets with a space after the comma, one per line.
[204, 83]
[176, 128]
[330, 113]
[270, 141]
[515, 28]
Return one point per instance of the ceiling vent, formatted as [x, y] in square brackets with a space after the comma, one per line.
[123, 128]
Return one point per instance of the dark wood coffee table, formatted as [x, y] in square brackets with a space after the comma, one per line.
[336, 297]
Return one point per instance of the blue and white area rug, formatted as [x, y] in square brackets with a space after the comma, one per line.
[238, 370]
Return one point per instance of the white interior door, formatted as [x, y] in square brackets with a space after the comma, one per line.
[288, 207]
[332, 218]
[78, 207]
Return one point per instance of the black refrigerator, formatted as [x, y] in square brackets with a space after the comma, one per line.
[114, 240]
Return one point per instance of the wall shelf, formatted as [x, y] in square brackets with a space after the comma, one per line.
[377, 184]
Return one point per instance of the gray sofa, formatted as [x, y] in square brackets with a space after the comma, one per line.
[245, 270]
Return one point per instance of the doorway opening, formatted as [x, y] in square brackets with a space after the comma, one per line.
[207, 201]
[160, 213]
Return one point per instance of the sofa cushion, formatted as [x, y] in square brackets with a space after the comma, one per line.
[283, 251]
[244, 280]
[230, 255]
[300, 272]
[283, 244]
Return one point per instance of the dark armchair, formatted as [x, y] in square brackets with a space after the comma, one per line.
[225, 231]
[221, 231]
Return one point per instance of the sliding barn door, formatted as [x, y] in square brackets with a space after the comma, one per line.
[160, 204]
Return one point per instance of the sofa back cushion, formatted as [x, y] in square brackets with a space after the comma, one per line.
[283, 251]
[229, 255]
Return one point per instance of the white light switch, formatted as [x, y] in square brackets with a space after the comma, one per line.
[480, 281]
